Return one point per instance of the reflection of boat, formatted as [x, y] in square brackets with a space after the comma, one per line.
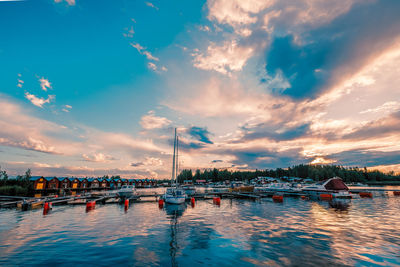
[127, 191]
[175, 210]
[175, 195]
[334, 186]
[340, 204]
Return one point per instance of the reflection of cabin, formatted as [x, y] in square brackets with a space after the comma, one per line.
[39, 182]
[53, 183]
[65, 183]
[75, 183]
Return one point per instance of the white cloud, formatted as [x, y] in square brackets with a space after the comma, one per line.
[224, 59]
[151, 121]
[142, 50]
[152, 66]
[385, 108]
[69, 2]
[37, 101]
[129, 32]
[98, 157]
[151, 5]
[45, 84]
[149, 161]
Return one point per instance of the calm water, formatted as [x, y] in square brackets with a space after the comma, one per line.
[239, 232]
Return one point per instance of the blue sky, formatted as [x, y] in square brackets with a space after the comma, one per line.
[96, 87]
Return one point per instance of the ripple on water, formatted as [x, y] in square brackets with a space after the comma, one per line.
[238, 232]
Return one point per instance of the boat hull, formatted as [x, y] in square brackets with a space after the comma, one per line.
[174, 200]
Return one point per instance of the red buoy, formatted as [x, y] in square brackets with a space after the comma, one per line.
[217, 201]
[46, 208]
[126, 203]
[277, 198]
[192, 200]
[366, 194]
[90, 205]
[160, 203]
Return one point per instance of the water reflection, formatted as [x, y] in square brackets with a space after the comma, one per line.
[174, 212]
[340, 204]
[239, 232]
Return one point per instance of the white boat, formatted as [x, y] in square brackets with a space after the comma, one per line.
[177, 194]
[127, 191]
[334, 186]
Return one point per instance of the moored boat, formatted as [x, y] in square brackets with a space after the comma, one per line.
[333, 186]
[127, 191]
[177, 194]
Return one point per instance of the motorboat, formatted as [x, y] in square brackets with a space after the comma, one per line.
[175, 194]
[127, 191]
[333, 186]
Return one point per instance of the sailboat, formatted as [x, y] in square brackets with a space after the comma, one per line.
[175, 195]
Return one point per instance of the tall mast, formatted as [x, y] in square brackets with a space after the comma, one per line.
[177, 162]
[173, 160]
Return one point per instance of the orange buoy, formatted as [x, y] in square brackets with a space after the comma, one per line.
[277, 198]
[396, 193]
[326, 196]
[126, 203]
[366, 194]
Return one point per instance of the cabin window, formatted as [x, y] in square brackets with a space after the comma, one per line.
[74, 185]
[39, 186]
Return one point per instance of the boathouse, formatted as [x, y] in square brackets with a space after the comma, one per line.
[39, 182]
[84, 183]
[53, 183]
[75, 183]
[94, 182]
[65, 182]
[104, 183]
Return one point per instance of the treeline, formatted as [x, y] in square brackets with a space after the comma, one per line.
[20, 186]
[315, 172]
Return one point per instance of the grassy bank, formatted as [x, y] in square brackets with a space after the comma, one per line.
[13, 190]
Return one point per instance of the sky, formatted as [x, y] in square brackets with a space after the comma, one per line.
[92, 88]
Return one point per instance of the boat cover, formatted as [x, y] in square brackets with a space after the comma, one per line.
[336, 184]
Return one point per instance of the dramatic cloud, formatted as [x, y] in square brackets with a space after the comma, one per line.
[148, 161]
[224, 59]
[200, 134]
